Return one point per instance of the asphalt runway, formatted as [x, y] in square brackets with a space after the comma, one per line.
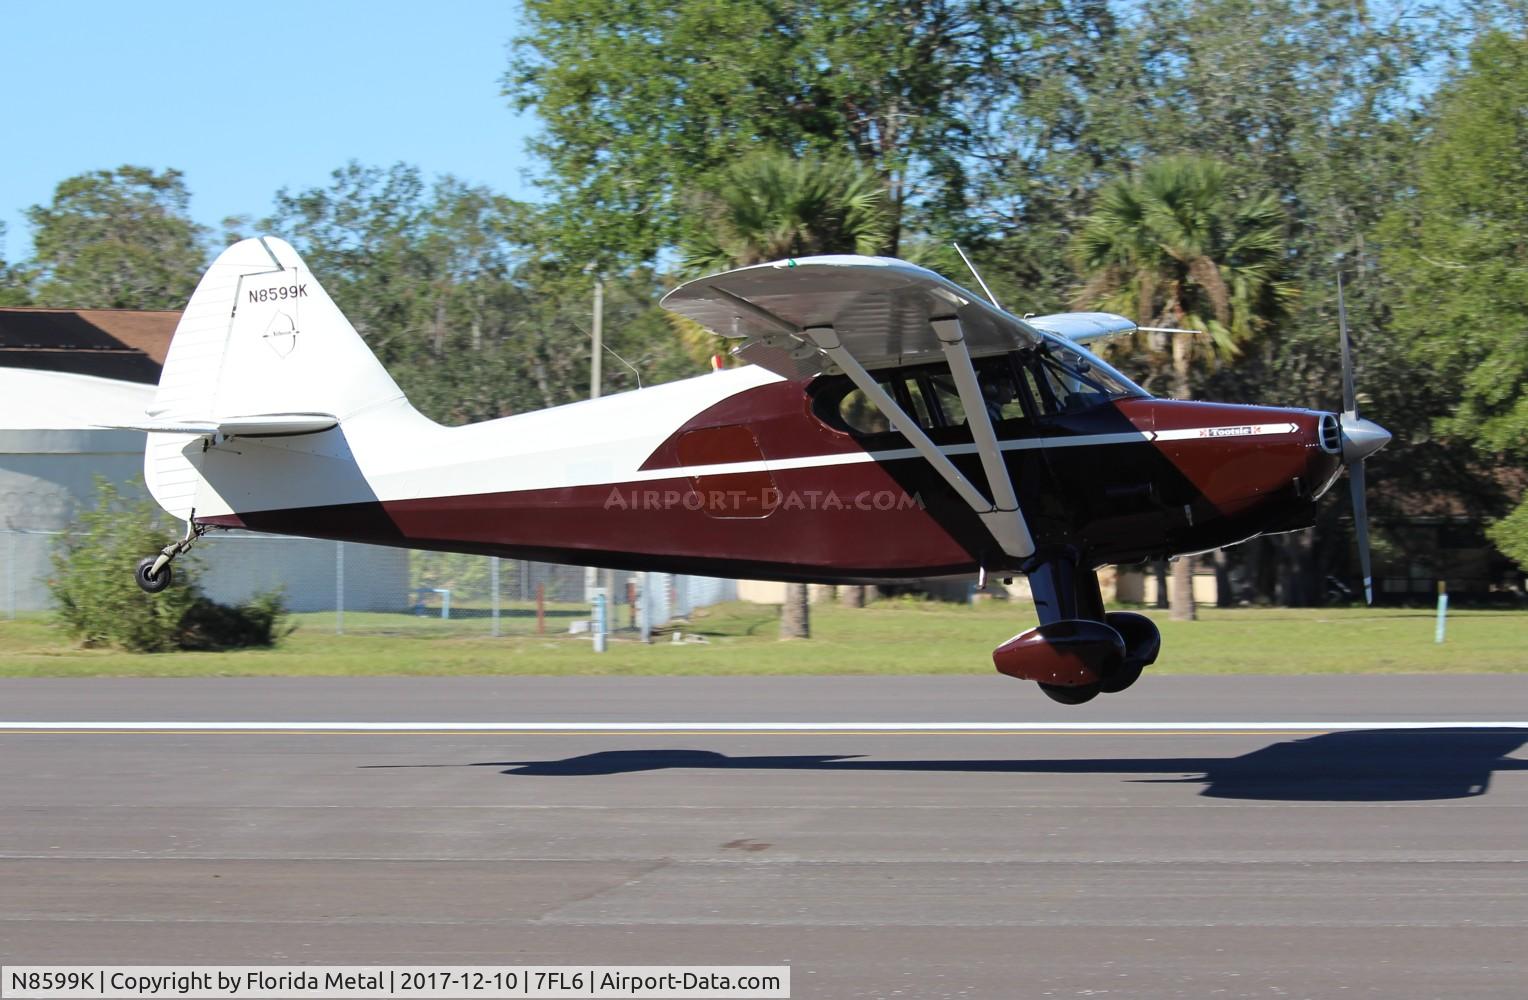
[1269, 857]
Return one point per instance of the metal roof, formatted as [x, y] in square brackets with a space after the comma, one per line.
[124, 344]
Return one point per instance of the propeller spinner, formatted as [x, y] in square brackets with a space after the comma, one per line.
[1360, 439]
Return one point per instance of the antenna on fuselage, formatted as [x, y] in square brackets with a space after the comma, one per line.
[976, 274]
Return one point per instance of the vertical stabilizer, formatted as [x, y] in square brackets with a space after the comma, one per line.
[259, 336]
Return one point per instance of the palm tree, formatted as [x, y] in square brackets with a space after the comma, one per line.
[1177, 247]
[770, 205]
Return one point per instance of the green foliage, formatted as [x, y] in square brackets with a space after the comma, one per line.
[92, 583]
[1511, 534]
[117, 239]
[1179, 246]
[445, 283]
[208, 626]
[1459, 249]
[100, 604]
[769, 205]
[13, 280]
[644, 100]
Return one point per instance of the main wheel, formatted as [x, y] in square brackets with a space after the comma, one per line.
[1071, 695]
[1142, 644]
[1127, 674]
[152, 584]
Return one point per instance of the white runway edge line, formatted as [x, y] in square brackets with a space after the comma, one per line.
[744, 727]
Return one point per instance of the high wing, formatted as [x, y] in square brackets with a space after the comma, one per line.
[849, 314]
[880, 308]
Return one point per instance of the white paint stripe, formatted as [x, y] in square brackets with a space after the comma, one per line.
[615, 481]
[1013, 444]
[751, 727]
[1233, 430]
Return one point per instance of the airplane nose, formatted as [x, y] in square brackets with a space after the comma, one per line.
[1361, 438]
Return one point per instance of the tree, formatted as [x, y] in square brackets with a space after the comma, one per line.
[117, 239]
[1458, 248]
[796, 612]
[422, 272]
[1176, 247]
[1511, 534]
[448, 284]
[644, 101]
[1001, 124]
[769, 205]
[13, 280]
[1179, 246]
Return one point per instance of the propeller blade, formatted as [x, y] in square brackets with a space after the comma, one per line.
[1360, 439]
[1349, 392]
[1361, 526]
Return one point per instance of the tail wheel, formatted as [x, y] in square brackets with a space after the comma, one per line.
[1072, 695]
[150, 582]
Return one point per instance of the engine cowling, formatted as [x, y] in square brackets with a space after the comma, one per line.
[1073, 652]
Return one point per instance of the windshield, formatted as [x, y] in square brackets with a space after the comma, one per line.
[1074, 379]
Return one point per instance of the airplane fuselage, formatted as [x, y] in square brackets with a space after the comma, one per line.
[888, 426]
[747, 473]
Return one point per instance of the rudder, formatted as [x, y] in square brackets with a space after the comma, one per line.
[258, 336]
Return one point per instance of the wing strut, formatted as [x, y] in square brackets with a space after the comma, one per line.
[1003, 519]
[1004, 499]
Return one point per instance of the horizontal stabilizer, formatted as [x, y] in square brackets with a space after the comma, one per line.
[254, 425]
[1081, 327]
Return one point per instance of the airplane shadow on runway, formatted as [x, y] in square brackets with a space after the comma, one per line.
[1376, 765]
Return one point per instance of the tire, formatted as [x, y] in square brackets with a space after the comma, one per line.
[1126, 675]
[1142, 644]
[1071, 695]
[152, 584]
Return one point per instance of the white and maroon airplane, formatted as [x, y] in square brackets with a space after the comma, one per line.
[889, 425]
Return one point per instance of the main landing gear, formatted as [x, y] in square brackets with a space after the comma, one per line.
[153, 572]
[1078, 651]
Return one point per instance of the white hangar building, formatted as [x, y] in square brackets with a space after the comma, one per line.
[52, 448]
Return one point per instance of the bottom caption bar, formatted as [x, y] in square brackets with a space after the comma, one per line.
[365, 982]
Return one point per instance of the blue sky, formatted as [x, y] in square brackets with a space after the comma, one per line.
[246, 100]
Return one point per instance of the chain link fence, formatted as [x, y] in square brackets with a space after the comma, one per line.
[353, 588]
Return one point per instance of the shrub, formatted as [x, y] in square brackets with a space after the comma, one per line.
[260, 621]
[100, 604]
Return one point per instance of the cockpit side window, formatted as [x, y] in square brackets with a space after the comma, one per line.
[1000, 390]
[857, 413]
[929, 395]
[947, 399]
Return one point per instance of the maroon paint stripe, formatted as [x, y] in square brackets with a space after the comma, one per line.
[845, 522]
